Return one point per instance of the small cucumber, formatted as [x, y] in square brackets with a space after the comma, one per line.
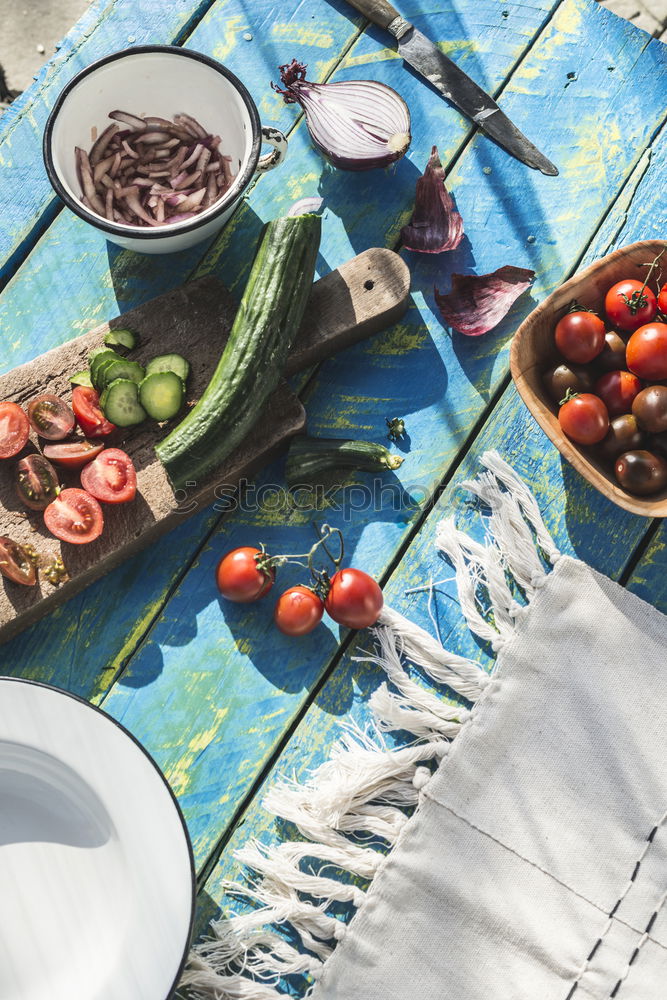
[120, 403]
[169, 363]
[161, 395]
[122, 338]
[310, 458]
[98, 357]
[82, 378]
[108, 373]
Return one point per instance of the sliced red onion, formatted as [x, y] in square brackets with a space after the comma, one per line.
[435, 226]
[153, 171]
[478, 302]
[305, 205]
[127, 119]
[356, 124]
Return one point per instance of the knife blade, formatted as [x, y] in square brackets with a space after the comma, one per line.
[450, 80]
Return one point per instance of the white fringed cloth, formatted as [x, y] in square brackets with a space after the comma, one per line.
[534, 866]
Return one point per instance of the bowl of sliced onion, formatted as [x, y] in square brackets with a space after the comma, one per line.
[155, 145]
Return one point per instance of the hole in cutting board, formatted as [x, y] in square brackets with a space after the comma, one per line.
[369, 284]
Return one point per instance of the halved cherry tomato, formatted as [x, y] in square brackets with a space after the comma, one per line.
[630, 304]
[50, 417]
[580, 336]
[74, 517]
[584, 418]
[15, 563]
[73, 454]
[111, 477]
[617, 391]
[298, 611]
[89, 414]
[36, 481]
[647, 352]
[14, 429]
[662, 299]
[354, 598]
[241, 576]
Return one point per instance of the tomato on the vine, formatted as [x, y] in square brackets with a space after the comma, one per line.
[647, 352]
[298, 611]
[243, 575]
[584, 418]
[662, 299]
[580, 336]
[617, 390]
[630, 304]
[354, 598]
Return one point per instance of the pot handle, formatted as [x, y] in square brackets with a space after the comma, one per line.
[274, 137]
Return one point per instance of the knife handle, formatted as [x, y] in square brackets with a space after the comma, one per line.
[380, 12]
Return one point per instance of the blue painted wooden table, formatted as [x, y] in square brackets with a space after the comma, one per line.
[219, 699]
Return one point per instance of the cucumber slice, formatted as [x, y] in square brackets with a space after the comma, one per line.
[82, 378]
[109, 372]
[161, 395]
[97, 358]
[169, 363]
[122, 338]
[120, 402]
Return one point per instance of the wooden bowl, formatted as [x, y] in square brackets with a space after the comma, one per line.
[533, 350]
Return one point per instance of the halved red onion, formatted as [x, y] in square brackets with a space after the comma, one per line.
[478, 302]
[435, 226]
[356, 124]
[154, 171]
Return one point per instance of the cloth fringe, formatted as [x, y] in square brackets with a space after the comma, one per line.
[353, 806]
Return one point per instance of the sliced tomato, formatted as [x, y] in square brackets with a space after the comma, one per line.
[89, 413]
[50, 417]
[111, 477]
[14, 429]
[15, 563]
[73, 454]
[74, 516]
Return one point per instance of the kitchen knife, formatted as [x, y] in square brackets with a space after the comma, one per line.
[453, 83]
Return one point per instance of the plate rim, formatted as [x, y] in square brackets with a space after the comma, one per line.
[170, 791]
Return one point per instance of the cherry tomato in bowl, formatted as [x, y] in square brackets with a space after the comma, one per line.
[646, 352]
[36, 482]
[662, 299]
[14, 429]
[298, 611]
[630, 304]
[580, 336]
[50, 417]
[88, 412]
[242, 576]
[74, 516]
[111, 477]
[72, 454]
[617, 390]
[584, 418]
[15, 562]
[354, 599]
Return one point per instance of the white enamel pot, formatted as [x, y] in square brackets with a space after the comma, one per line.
[160, 80]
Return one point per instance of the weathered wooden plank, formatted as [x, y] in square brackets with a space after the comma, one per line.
[431, 385]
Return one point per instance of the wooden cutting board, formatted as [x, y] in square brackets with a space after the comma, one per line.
[364, 296]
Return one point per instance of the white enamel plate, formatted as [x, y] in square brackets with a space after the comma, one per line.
[96, 870]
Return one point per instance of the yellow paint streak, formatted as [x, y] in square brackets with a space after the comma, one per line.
[301, 34]
[380, 55]
[132, 640]
[232, 27]
[589, 155]
[401, 339]
[180, 774]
